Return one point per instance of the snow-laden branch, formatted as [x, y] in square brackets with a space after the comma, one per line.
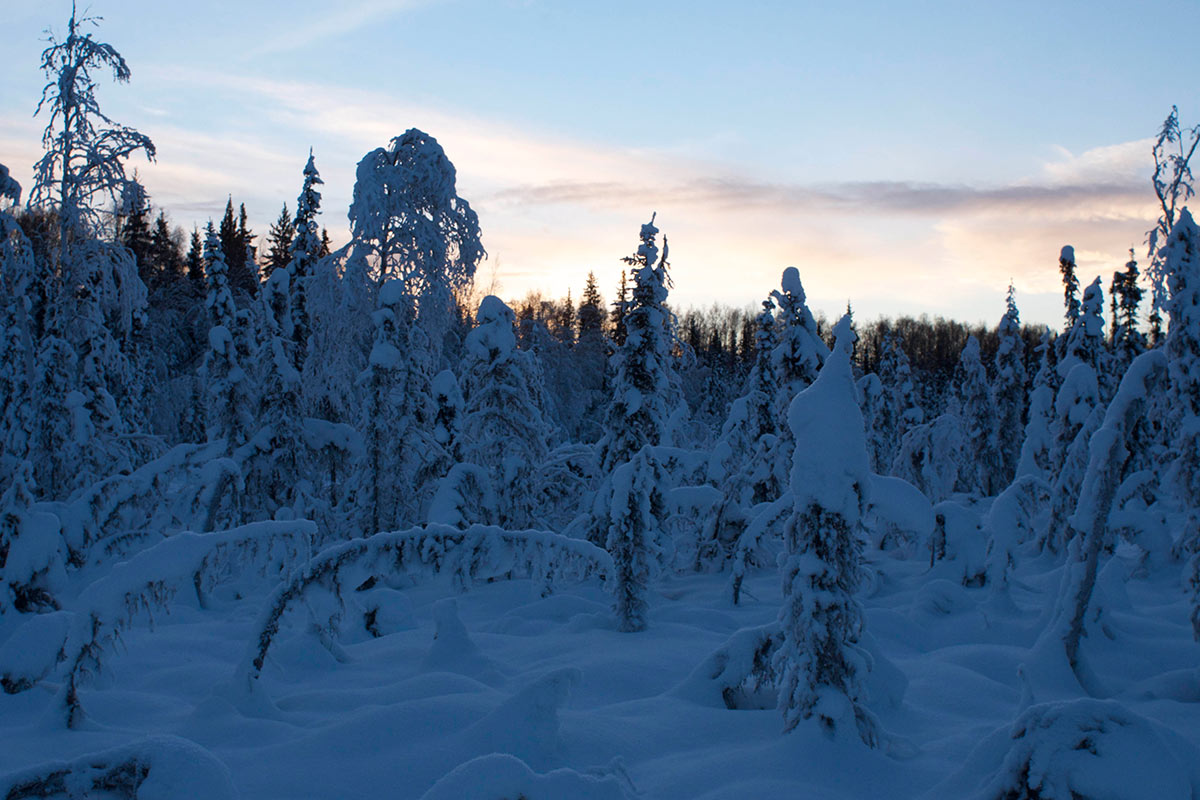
[479, 552]
[146, 582]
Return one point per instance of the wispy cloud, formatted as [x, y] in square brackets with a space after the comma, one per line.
[343, 19]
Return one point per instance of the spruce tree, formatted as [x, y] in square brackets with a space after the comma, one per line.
[1066, 266]
[228, 410]
[981, 460]
[1009, 391]
[279, 242]
[822, 668]
[194, 261]
[306, 249]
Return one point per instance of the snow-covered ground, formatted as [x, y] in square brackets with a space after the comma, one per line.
[461, 684]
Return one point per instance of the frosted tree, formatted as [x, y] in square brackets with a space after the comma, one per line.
[504, 429]
[305, 250]
[895, 372]
[83, 169]
[1181, 267]
[635, 537]
[1127, 341]
[977, 411]
[1009, 391]
[1172, 152]
[18, 349]
[1078, 412]
[1039, 438]
[280, 464]
[641, 387]
[53, 445]
[380, 475]
[741, 462]
[879, 420]
[10, 189]
[228, 412]
[448, 406]
[408, 222]
[822, 668]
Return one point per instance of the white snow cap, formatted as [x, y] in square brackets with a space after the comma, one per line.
[392, 292]
[1067, 254]
[791, 283]
[830, 466]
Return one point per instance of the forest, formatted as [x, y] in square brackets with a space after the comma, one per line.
[280, 518]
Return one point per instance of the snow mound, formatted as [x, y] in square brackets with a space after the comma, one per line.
[162, 768]
[1090, 748]
[498, 775]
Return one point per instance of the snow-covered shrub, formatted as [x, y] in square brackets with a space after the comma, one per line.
[929, 457]
[159, 768]
[1087, 748]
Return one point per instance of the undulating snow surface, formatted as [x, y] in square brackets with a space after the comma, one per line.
[495, 692]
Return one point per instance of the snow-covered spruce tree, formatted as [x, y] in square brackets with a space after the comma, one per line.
[636, 416]
[32, 551]
[54, 448]
[18, 348]
[1084, 341]
[637, 413]
[821, 667]
[879, 419]
[895, 372]
[634, 537]
[305, 251]
[408, 221]
[981, 462]
[797, 359]
[380, 476]
[1009, 392]
[227, 404]
[448, 406]
[741, 462]
[279, 466]
[1039, 438]
[1172, 151]
[1078, 412]
[1181, 266]
[504, 429]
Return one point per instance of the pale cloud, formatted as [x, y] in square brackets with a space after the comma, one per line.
[553, 208]
[342, 19]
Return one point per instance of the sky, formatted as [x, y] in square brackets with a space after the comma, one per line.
[907, 157]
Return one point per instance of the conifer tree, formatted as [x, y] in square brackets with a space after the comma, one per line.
[281, 468]
[1009, 391]
[620, 308]
[591, 311]
[167, 261]
[504, 429]
[1036, 448]
[634, 536]
[1066, 265]
[279, 242]
[379, 477]
[194, 261]
[1127, 341]
[895, 372]
[637, 413]
[228, 409]
[822, 668]
[306, 249]
[977, 411]
[135, 228]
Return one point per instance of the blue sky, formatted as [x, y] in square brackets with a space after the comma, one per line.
[906, 156]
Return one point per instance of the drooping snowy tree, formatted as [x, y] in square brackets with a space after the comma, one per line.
[54, 447]
[822, 668]
[407, 221]
[82, 173]
[18, 348]
[504, 429]
[1009, 392]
